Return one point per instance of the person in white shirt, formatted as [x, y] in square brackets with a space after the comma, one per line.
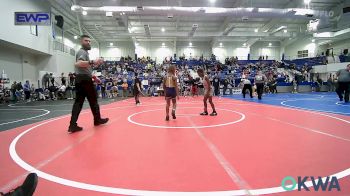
[247, 85]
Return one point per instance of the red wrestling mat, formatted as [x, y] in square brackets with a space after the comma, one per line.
[247, 149]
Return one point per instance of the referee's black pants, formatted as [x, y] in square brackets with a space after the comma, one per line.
[260, 89]
[249, 87]
[216, 90]
[343, 90]
[84, 88]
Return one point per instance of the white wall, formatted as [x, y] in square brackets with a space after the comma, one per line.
[336, 66]
[58, 63]
[155, 50]
[19, 66]
[196, 50]
[325, 70]
[119, 49]
[229, 49]
[64, 62]
[21, 34]
[291, 51]
[338, 46]
[262, 48]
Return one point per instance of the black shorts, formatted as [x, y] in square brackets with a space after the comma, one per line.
[170, 92]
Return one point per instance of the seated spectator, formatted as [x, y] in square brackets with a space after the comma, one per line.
[61, 92]
[26, 189]
[52, 92]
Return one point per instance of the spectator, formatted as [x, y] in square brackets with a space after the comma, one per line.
[46, 80]
[330, 83]
[26, 89]
[319, 83]
[125, 87]
[295, 86]
[52, 92]
[61, 92]
[19, 91]
[63, 80]
[52, 79]
[195, 83]
[273, 85]
[71, 78]
[13, 91]
[216, 84]
[26, 189]
[335, 83]
[225, 83]
[103, 89]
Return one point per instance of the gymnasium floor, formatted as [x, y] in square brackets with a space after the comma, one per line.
[246, 150]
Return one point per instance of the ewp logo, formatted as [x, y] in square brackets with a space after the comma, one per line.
[328, 184]
[32, 18]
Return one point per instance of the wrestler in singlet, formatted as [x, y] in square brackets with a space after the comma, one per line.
[170, 86]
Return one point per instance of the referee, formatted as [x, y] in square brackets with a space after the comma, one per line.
[84, 86]
[343, 89]
[259, 81]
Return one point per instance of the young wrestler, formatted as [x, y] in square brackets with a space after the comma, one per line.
[208, 93]
[171, 91]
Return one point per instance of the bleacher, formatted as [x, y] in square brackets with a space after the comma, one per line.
[307, 61]
[344, 58]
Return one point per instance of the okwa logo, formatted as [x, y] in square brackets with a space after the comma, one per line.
[311, 182]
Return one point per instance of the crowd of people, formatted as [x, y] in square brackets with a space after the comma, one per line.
[117, 78]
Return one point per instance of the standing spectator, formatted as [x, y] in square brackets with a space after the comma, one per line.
[103, 89]
[312, 75]
[13, 91]
[273, 85]
[319, 83]
[71, 78]
[216, 84]
[32, 92]
[194, 87]
[344, 84]
[63, 80]
[330, 83]
[125, 87]
[19, 90]
[335, 83]
[295, 86]
[45, 80]
[52, 79]
[26, 89]
[225, 83]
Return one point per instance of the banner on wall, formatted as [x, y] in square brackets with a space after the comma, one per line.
[33, 18]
